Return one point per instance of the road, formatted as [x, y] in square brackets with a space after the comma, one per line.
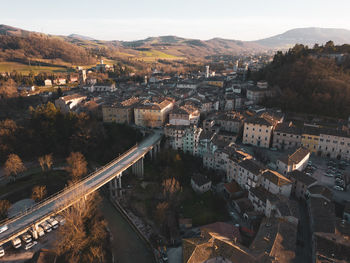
[89, 184]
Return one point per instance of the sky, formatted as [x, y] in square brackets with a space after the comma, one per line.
[200, 19]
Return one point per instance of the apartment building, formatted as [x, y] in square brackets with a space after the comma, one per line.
[286, 136]
[249, 173]
[120, 112]
[232, 170]
[262, 200]
[301, 183]
[258, 131]
[296, 161]
[175, 135]
[152, 113]
[230, 121]
[276, 183]
[257, 94]
[191, 139]
[310, 137]
[334, 144]
[184, 115]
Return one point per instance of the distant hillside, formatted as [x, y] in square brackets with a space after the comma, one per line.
[306, 36]
[22, 46]
[18, 45]
[77, 36]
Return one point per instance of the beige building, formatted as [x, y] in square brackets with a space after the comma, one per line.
[152, 113]
[120, 112]
[276, 183]
[184, 115]
[258, 131]
[334, 144]
[286, 136]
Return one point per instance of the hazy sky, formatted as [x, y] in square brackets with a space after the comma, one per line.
[204, 19]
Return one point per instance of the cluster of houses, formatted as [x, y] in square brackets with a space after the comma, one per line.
[212, 117]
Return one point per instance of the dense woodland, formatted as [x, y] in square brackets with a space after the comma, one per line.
[47, 130]
[311, 80]
[21, 49]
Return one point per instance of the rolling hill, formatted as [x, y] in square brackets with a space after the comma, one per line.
[21, 46]
[306, 36]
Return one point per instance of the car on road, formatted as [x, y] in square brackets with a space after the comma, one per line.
[338, 188]
[46, 226]
[3, 228]
[53, 222]
[26, 238]
[16, 242]
[2, 252]
[30, 245]
[328, 174]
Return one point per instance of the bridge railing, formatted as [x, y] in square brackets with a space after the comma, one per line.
[67, 189]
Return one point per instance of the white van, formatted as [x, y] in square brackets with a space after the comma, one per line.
[53, 222]
[46, 226]
[16, 242]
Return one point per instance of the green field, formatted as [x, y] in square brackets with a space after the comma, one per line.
[25, 69]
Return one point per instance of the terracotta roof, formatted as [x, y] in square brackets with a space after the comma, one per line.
[276, 178]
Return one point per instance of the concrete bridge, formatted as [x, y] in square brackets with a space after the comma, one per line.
[110, 173]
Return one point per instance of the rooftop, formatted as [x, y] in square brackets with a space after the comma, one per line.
[276, 178]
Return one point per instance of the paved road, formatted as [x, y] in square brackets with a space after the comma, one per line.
[91, 183]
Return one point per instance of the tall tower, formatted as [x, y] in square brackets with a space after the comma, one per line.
[207, 71]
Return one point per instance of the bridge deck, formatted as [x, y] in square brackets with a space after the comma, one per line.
[91, 183]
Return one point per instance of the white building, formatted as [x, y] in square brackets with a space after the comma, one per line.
[276, 183]
[200, 183]
[67, 103]
[297, 161]
[334, 144]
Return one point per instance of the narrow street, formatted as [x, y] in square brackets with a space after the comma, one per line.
[126, 244]
[304, 238]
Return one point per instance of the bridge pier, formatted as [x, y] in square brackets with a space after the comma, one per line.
[115, 186]
[155, 150]
[137, 168]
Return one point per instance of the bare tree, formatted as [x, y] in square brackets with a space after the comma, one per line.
[8, 89]
[45, 163]
[4, 207]
[81, 236]
[39, 192]
[41, 161]
[170, 188]
[14, 166]
[48, 161]
[77, 165]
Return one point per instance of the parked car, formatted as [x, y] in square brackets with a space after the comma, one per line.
[30, 245]
[338, 188]
[3, 228]
[26, 238]
[60, 219]
[53, 222]
[16, 242]
[46, 226]
[2, 252]
[328, 174]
